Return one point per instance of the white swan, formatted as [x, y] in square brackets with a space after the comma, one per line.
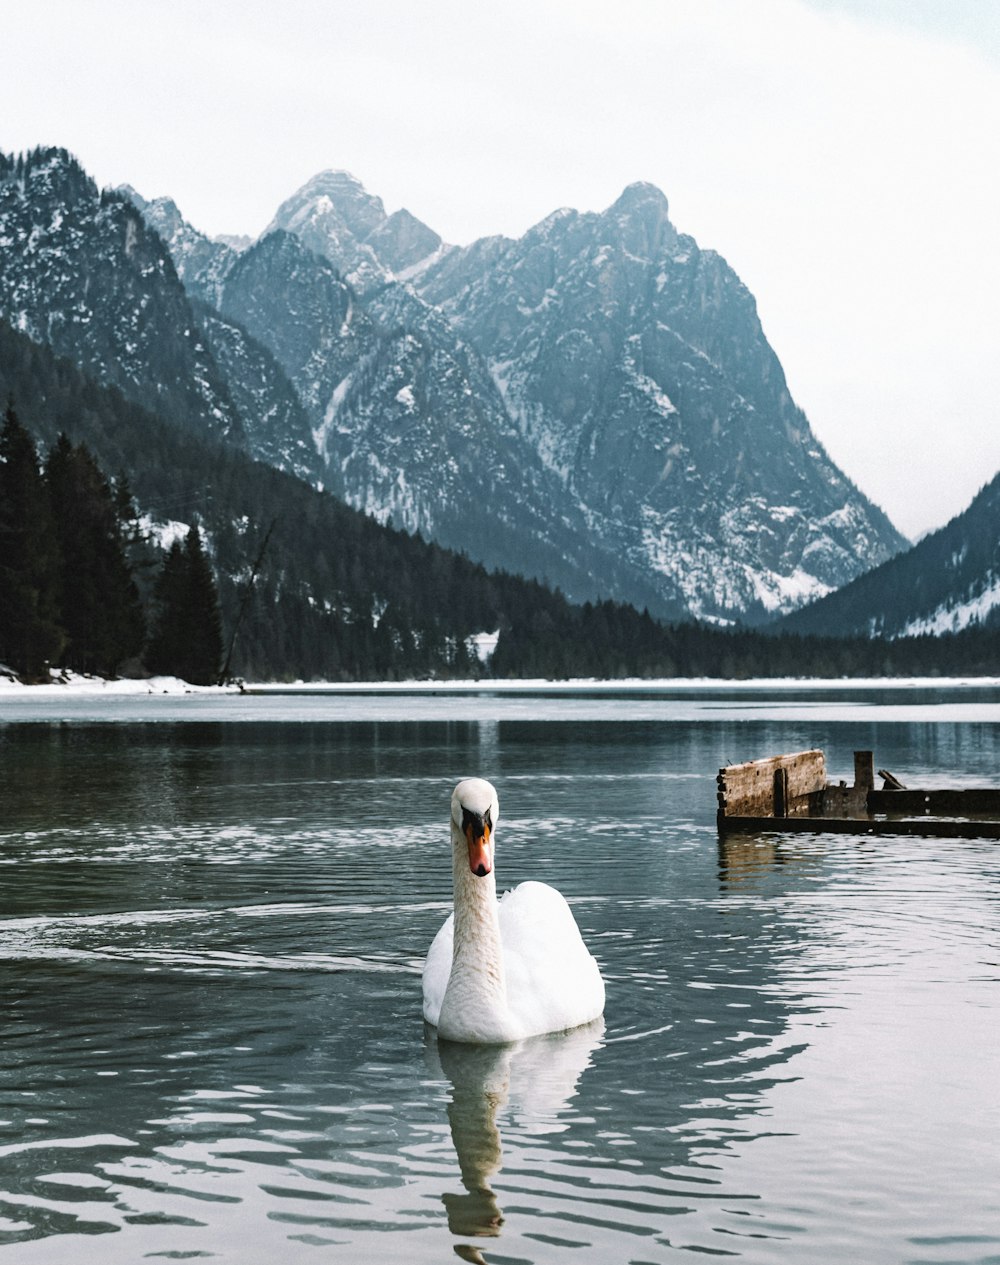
[500, 971]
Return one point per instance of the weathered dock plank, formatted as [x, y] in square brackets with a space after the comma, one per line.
[791, 793]
[750, 788]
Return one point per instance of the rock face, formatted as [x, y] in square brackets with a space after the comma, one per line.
[275, 421]
[402, 242]
[82, 272]
[636, 367]
[594, 404]
[201, 263]
[632, 369]
[99, 282]
[298, 305]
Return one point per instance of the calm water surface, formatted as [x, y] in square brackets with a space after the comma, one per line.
[213, 914]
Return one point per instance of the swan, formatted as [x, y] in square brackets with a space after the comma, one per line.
[500, 971]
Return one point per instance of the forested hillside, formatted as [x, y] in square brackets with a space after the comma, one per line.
[339, 597]
[948, 581]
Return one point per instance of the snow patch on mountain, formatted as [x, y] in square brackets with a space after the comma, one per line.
[482, 645]
[162, 532]
[955, 617]
[777, 592]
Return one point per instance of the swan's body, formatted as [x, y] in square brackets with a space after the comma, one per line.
[503, 970]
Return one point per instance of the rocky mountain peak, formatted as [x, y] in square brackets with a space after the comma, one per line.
[335, 216]
[277, 242]
[200, 262]
[641, 220]
[635, 366]
[360, 210]
[332, 213]
[641, 193]
[83, 272]
[163, 214]
[402, 241]
[132, 195]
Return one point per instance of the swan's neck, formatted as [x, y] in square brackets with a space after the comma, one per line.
[475, 1001]
[480, 1083]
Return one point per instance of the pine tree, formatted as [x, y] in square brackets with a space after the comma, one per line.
[205, 619]
[31, 635]
[167, 649]
[187, 640]
[100, 602]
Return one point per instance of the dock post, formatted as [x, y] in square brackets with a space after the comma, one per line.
[781, 792]
[864, 770]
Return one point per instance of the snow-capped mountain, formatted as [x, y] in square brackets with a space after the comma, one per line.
[631, 367]
[948, 581]
[408, 422]
[594, 404]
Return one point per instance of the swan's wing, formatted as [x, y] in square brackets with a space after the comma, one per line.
[535, 917]
[553, 983]
[437, 969]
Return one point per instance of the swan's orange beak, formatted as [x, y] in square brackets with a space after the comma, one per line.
[480, 850]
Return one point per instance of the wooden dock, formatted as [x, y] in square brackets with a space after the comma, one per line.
[788, 793]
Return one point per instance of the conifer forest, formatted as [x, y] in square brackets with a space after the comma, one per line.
[269, 578]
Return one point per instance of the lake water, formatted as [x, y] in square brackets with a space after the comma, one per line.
[214, 912]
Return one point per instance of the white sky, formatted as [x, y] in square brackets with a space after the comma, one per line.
[841, 154]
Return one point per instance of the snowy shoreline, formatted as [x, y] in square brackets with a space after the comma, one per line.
[75, 684]
[72, 683]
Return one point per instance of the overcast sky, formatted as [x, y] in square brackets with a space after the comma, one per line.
[841, 154]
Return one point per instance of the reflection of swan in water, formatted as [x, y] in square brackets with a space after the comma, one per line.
[503, 971]
[537, 1078]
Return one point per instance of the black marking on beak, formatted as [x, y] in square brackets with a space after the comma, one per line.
[478, 823]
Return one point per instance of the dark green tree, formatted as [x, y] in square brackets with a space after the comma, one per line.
[31, 635]
[100, 603]
[167, 647]
[187, 637]
[206, 621]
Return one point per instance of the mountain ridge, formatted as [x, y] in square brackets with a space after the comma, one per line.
[594, 404]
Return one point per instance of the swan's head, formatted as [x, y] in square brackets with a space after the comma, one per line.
[474, 812]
